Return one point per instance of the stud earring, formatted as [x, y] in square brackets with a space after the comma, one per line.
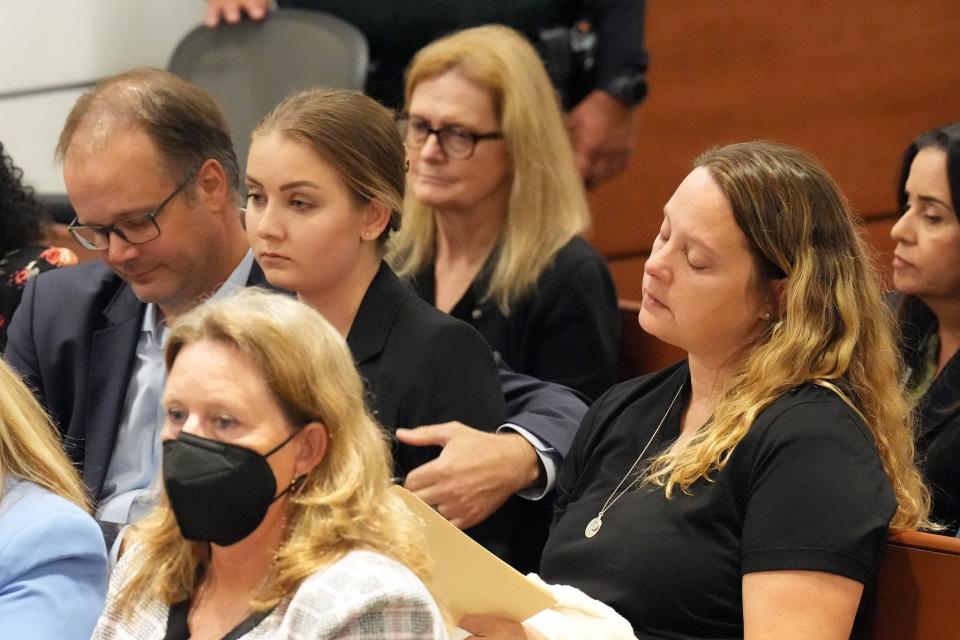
[765, 316]
[296, 485]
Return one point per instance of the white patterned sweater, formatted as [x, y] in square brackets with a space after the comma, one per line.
[362, 596]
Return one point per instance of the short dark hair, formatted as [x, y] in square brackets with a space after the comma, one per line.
[183, 121]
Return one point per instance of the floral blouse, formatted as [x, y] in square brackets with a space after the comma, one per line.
[19, 265]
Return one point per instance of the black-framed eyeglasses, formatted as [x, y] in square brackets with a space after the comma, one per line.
[455, 141]
[136, 229]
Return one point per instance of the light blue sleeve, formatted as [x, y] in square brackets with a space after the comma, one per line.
[53, 573]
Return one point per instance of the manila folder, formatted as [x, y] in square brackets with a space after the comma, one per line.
[469, 580]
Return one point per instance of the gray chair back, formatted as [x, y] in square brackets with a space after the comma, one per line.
[250, 67]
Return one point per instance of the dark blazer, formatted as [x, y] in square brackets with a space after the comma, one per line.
[423, 367]
[73, 339]
[567, 330]
[938, 415]
[548, 410]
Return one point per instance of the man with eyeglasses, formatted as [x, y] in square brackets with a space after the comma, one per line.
[152, 176]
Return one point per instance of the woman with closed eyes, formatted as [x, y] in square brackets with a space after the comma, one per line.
[747, 491]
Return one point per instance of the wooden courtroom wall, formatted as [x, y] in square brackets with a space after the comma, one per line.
[851, 81]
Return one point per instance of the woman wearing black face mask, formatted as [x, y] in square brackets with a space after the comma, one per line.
[277, 520]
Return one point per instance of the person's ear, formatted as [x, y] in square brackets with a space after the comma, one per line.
[313, 440]
[212, 185]
[375, 218]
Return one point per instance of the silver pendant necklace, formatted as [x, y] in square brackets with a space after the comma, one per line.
[594, 525]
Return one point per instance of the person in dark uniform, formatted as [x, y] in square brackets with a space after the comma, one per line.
[926, 273]
[746, 491]
[593, 48]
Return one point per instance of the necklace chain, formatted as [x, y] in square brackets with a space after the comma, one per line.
[594, 525]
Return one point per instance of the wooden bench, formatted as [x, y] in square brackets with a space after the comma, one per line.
[917, 593]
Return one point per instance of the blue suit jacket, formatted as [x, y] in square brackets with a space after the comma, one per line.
[53, 565]
[73, 339]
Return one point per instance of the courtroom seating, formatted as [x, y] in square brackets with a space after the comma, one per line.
[917, 592]
[58, 205]
[251, 66]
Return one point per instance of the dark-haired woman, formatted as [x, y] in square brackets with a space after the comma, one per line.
[22, 252]
[926, 272]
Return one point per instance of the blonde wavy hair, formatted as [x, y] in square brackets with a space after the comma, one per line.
[344, 503]
[30, 446]
[834, 329]
[547, 205]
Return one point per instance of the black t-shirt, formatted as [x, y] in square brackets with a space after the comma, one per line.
[804, 489]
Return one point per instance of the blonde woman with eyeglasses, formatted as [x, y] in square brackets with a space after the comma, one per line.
[495, 209]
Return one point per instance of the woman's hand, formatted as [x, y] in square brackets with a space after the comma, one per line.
[498, 629]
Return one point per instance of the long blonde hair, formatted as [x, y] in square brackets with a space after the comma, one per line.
[547, 206]
[344, 503]
[30, 446]
[834, 330]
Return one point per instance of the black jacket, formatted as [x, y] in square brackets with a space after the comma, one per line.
[421, 366]
[938, 415]
[567, 330]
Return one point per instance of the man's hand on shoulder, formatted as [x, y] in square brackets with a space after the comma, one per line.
[474, 474]
[230, 11]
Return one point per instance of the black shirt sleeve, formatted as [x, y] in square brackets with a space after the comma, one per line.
[818, 497]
